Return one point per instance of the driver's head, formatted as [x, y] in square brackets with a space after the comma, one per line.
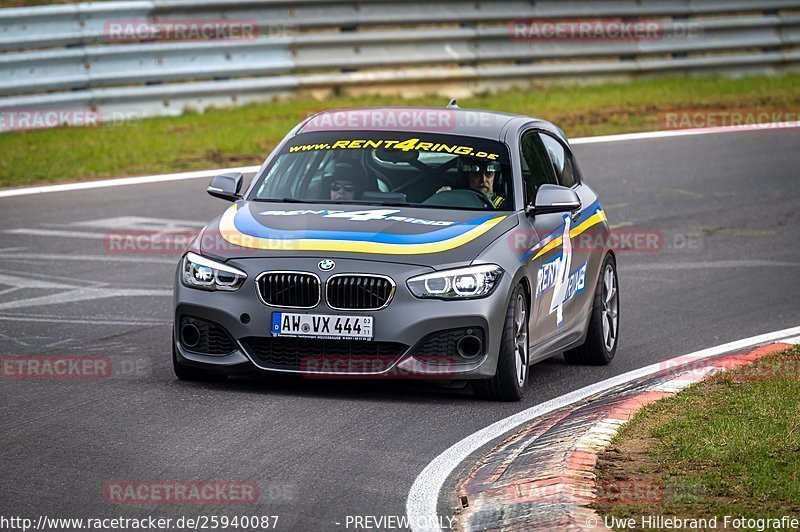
[344, 182]
[478, 174]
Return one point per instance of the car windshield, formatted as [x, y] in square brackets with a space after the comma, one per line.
[390, 168]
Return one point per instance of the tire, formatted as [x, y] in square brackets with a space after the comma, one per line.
[192, 374]
[510, 379]
[602, 337]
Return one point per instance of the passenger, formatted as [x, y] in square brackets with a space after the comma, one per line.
[346, 182]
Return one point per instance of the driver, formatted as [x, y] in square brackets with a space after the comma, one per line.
[478, 175]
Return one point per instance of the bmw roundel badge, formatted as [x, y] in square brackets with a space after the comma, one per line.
[326, 265]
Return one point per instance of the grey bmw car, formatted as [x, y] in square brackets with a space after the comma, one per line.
[446, 244]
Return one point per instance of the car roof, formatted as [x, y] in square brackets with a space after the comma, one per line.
[448, 120]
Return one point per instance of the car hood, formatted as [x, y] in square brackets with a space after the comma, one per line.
[430, 237]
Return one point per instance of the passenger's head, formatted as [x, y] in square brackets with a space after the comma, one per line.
[345, 182]
[342, 189]
[478, 174]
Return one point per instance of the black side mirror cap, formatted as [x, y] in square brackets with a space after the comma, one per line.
[554, 199]
[226, 186]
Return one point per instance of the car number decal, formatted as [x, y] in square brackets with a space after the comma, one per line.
[556, 274]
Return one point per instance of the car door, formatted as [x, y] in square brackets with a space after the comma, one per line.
[543, 261]
[571, 292]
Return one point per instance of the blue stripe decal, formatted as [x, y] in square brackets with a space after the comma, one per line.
[248, 225]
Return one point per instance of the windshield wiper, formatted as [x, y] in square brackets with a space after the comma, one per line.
[281, 200]
[387, 203]
[338, 202]
[357, 202]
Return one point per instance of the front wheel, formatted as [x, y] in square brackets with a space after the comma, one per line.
[511, 377]
[603, 334]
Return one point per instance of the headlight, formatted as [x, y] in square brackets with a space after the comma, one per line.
[463, 283]
[207, 274]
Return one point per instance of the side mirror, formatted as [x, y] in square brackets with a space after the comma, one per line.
[226, 186]
[554, 199]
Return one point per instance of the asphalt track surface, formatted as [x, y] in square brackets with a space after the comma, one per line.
[726, 204]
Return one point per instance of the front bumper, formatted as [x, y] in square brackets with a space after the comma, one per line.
[406, 339]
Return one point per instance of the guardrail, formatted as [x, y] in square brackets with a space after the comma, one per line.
[66, 57]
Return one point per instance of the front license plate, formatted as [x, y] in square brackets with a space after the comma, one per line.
[321, 326]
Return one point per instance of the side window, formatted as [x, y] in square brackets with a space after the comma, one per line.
[536, 167]
[563, 164]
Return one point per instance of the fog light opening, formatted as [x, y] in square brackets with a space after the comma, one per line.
[190, 335]
[469, 346]
[245, 318]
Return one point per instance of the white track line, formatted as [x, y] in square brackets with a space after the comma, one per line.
[12, 192]
[88, 258]
[684, 132]
[122, 181]
[56, 232]
[83, 321]
[422, 501]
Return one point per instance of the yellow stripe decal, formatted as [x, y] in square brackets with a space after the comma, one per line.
[596, 218]
[231, 234]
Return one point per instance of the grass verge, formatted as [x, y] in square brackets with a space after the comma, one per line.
[243, 136]
[729, 445]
